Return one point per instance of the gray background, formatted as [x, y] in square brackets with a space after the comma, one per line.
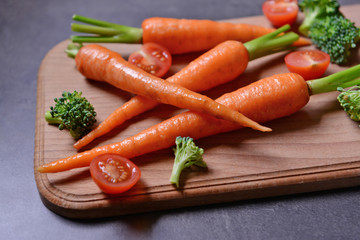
[30, 28]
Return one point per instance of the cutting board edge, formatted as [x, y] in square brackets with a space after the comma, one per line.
[231, 192]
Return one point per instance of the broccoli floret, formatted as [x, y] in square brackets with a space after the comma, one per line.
[186, 154]
[329, 29]
[72, 112]
[316, 9]
[350, 101]
[335, 35]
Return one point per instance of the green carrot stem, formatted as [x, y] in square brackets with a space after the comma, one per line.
[100, 23]
[94, 29]
[72, 49]
[270, 43]
[123, 38]
[344, 79]
[105, 31]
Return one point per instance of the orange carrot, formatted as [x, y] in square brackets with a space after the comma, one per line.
[99, 63]
[190, 35]
[177, 35]
[217, 66]
[265, 100]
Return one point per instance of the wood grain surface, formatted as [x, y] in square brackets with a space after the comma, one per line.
[314, 149]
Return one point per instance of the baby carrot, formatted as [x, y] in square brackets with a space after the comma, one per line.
[176, 35]
[101, 64]
[219, 65]
[265, 100]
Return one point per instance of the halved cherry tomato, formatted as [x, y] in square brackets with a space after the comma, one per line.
[113, 173]
[310, 64]
[152, 58]
[280, 12]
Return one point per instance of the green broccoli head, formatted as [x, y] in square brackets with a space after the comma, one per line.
[186, 154]
[315, 9]
[72, 112]
[335, 35]
[350, 101]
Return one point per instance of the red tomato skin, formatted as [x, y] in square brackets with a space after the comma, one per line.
[110, 187]
[310, 64]
[152, 58]
[279, 16]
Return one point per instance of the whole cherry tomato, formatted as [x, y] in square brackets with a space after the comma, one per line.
[280, 12]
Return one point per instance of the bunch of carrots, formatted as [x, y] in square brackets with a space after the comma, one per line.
[264, 100]
[219, 65]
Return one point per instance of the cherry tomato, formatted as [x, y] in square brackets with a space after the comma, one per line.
[113, 173]
[152, 58]
[280, 12]
[310, 64]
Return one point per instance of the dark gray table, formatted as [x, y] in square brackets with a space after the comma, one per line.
[28, 29]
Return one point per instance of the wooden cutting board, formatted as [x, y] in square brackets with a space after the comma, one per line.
[314, 149]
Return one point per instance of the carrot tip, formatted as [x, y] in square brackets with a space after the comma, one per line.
[40, 169]
[301, 42]
[264, 129]
[77, 146]
[260, 128]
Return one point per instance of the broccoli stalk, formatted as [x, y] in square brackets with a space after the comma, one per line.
[350, 101]
[72, 112]
[316, 9]
[186, 154]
